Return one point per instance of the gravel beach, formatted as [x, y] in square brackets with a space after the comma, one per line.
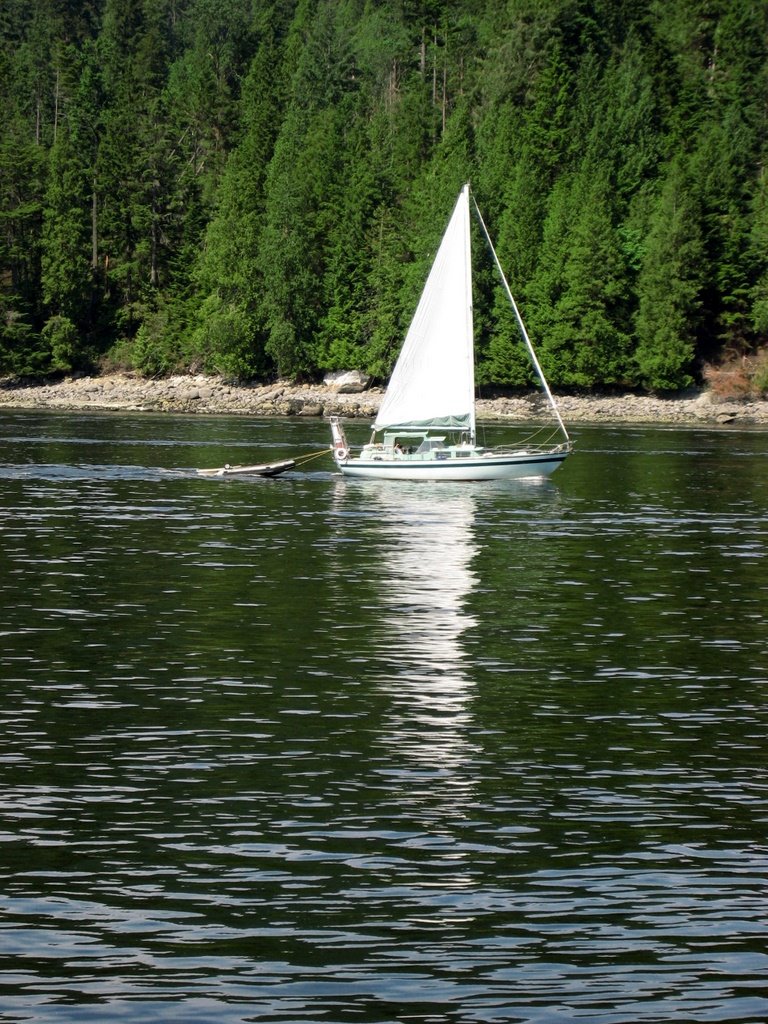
[203, 395]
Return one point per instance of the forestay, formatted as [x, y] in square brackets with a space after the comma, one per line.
[433, 383]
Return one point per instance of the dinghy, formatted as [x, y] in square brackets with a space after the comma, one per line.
[266, 469]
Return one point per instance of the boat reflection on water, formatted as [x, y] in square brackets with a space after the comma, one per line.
[423, 547]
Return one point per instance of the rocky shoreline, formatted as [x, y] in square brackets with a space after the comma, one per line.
[198, 394]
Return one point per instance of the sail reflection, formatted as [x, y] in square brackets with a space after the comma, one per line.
[426, 549]
[426, 576]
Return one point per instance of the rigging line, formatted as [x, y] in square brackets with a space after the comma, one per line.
[520, 323]
[301, 459]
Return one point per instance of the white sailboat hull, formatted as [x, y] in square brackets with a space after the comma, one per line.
[513, 466]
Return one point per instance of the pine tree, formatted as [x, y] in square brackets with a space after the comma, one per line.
[22, 178]
[585, 342]
[536, 143]
[670, 288]
[303, 185]
[230, 334]
[66, 246]
[293, 244]
[759, 258]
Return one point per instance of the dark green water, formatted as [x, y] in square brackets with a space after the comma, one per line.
[314, 750]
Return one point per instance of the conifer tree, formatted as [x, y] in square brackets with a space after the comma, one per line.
[537, 142]
[22, 183]
[230, 333]
[586, 342]
[66, 248]
[759, 259]
[670, 288]
[301, 187]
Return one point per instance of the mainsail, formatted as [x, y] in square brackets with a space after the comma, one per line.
[433, 383]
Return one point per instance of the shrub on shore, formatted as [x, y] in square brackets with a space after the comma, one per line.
[739, 376]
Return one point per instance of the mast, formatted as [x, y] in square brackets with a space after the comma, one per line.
[469, 296]
[520, 324]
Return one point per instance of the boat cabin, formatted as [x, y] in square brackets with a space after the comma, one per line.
[403, 444]
[411, 442]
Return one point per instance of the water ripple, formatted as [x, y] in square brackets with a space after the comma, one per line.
[311, 750]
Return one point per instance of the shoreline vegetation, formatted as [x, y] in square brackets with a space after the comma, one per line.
[204, 395]
[257, 190]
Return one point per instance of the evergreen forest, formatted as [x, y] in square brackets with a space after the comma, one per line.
[254, 188]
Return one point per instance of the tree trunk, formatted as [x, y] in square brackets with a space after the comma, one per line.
[94, 232]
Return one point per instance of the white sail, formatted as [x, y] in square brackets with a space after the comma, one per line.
[433, 383]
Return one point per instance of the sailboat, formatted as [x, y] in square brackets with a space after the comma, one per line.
[425, 428]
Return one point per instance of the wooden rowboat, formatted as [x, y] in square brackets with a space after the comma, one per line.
[265, 469]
